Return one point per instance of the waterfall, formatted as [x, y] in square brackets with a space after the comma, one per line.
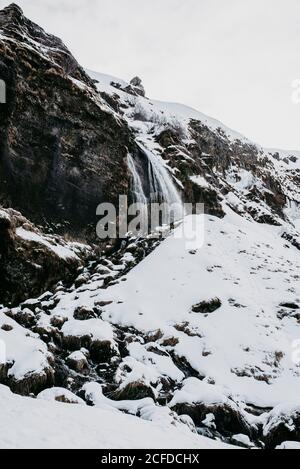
[137, 187]
[162, 188]
[139, 197]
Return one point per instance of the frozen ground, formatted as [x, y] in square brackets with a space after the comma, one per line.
[29, 423]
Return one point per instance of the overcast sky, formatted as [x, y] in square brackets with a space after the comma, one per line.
[234, 60]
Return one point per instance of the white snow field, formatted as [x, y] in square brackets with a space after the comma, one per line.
[245, 347]
[39, 424]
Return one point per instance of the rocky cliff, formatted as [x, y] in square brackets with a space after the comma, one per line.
[62, 148]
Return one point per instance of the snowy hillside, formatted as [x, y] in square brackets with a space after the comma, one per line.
[81, 426]
[188, 340]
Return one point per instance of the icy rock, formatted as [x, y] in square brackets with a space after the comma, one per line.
[80, 280]
[82, 313]
[289, 445]
[207, 306]
[136, 84]
[134, 391]
[77, 361]
[199, 399]
[93, 334]
[60, 395]
[242, 440]
[282, 424]
[27, 367]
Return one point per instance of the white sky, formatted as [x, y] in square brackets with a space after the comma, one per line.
[234, 60]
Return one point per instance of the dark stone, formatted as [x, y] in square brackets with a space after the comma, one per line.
[83, 313]
[289, 305]
[207, 306]
[102, 351]
[74, 159]
[228, 419]
[285, 428]
[134, 391]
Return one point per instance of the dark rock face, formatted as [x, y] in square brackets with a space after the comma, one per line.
[281, 428]
[214, 156]
[206, 307]
[228, 418]
[28, 268]
[136, 84]
[62, 149]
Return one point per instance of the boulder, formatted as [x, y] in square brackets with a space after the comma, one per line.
[282, 424]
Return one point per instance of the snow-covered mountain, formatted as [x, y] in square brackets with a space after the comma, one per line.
[189, 343]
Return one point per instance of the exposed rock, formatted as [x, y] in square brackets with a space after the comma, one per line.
[227, 417]
[289, 305]
[136, 84]
[78, 362]
[60, 395]
[29, 265]
[206, 307]
[73, 161]
[82, 313]
[282, 424]
[102, 351]
[58, 321]
[33, 383]
[134, 391]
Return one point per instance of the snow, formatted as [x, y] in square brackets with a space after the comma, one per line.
[56, 394]
[289, 445]
[282, 413]
[162, 111]
[196, 391]
[244, 439]
[77, 356]
[61, 251]
[283, 154]
[200, 181]
[95, 328]
[42, 424]
[23, 350]
[243, 347]
[243, 353]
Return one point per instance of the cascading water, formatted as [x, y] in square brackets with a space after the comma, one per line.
[139, 197]
[162, 188]
[137, 187]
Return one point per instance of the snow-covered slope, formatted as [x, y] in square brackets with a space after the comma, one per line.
[42, 425]
[165, 337]
[177, 111]
[169, 111]
[209, 326]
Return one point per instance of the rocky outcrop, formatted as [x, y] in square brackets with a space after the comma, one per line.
[136, 84]
[30, 262]
[282, 424]
[223, 163]
[62, 148]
